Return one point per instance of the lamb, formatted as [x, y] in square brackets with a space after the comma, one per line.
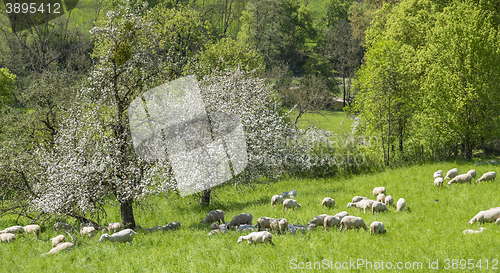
[62, 246]
[379, 207]
[276, 199]
[290, 204]
[123, 236]
[249, 228]
[318, 220]
[487, 176]
[292, 193]
[214, 225]
[438, 182]
[331, 221]
[486, 216]
[213, 216]
[400, 204]
[389, 201]
[357, 199]
[114, 227]
[217, 231]
[264, 222]
[350, 222]
[7, 237]
[451, 173]
[13, 229]
[470, 231]
[60, 226]
[438, 174]
[279, 225]
[377, 227]
[240, 219]
[472, 173]
[171, 226]
[87, 231]
[463, 178]
[257, 238]
[378, 190]
[57, 240]
[328, 202]
[35, 229]
[381, 198]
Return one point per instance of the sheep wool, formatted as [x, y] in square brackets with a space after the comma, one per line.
[381, 198]
[57, 240]
[240, 219]
[7, 237]
[357, 199]
[377, 227]
[263, 223]
[470, 231]
[451, 173]
[352, 222]
[35, 229]
[378, 207]
[276, 199]
[13, 229]
[378, 190]
[438, 174]
[472, 173]
[257, 238]
[438, 182]
[89, 231]
[487, 177]
[486, 216]
[328, 202]
[389, 201]
[463, 178]
[290, 204]
[214, 216]
[123, 236]
[400, 204]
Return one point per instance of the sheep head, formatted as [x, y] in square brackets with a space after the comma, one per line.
[104, 237]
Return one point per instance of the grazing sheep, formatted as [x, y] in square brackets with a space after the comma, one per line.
[249, 228]
[438, 174]
[331, 221]
[318, 220]
[350, 222]
[240, 219]
[60, 226]
[87, 231]
[114, 227]
[123, 236]
[13, 229]
[213, 216]
[284, 195]
[328, 202]
[378, 207]
[263, 223]
[470, 231]
[62, 246]
[294, 229]
[171, 226]
[389, 201]
[311, 227]
[486, 216]
[362, 205]
[217, 231]
[438, 182]
[472, 173]
[279, 225]
[451, 173]
[257, 238]
[377, 227]
[57, 240]
[487, 176]
[35, 229]
[357, 199]
[378, 190]
[214, 225]
[400, 204]
[292, 193]
[381, 198]
[342, 214]
[463, 178]
[290, 204]
[7, 237]
[276, 199]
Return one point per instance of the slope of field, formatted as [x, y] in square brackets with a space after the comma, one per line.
[431, 232]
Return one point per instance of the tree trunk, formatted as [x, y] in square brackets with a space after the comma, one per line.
[343, 80]
[127, 214]
[468, 152]
[205, 198]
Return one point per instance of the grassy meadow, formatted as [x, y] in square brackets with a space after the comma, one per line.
[431, 231]
[325, 120]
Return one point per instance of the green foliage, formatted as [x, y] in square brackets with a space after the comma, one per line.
[6, 86]
[337, 10]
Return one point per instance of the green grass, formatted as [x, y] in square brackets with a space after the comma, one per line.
[431, 231]
[326, 120]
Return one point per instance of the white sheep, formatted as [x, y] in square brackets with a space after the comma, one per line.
[214, 225]
[472, 173]
[438, 174]
[487, 176]
[240, 219]
[389, 201]
[249, 228]
[362, 205]
[59, 247]
[381, 198]
[89, 231]
[318, 220]
[311, 227]
[331, 221]
[114, 227]
[60, 226]
[217, 231]
[279, 225]
[290, 204]
[213, 216]
[451, 173]
[174, 225]
[263, 223]
[350, 222]
[328, 202]
[400, 204]
[257, 238]
[486, 216]
[378, 190]
[13, 229]
[57, 240]
[7, 237]
[377, 227]
[470, 231]
[357, 199]
[438, 182]
[276, 199]
[292, 193]
[463, 178]
[378, 207]
[123, 236]
[35, 229]
[342, 214]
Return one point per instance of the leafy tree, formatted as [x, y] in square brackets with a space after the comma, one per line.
[6, 86]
